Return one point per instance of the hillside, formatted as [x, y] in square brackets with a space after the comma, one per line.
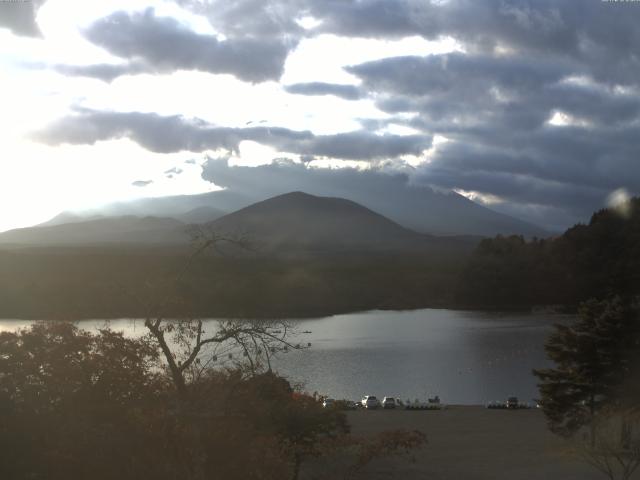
[591, 260]
[302, 221]
[290, 223]
[202, 214]
[418, 208]
[321, 256]
[128, 229]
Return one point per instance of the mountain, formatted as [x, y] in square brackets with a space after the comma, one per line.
[299, 221]
[222, 201]
[309, 256]
[418, 208]
[69, 217]
[426, 210]
[127, 229]
[293, 222]
[204, 214]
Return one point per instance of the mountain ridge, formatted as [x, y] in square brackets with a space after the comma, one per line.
[301, 220]
[104, 230]
[290, 222]
[415, 207]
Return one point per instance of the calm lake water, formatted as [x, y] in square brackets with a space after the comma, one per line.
[464, 357]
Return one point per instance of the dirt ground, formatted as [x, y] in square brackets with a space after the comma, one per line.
[476, 444]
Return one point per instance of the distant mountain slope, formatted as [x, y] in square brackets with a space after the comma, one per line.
[426, 210]
[223, 201]
[204, 214]
[128, 229]
[419, 208]
[293, 222]
[302, 221]
[68, 217]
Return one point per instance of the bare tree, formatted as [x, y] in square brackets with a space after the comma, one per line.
[614, 448]
[190, 349]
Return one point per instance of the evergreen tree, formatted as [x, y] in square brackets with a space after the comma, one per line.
[594, 359]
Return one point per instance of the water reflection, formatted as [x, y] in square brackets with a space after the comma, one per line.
[465, 357]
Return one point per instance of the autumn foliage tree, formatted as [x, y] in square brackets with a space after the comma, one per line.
[75, 404]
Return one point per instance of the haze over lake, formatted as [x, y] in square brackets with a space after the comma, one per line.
[465, 357]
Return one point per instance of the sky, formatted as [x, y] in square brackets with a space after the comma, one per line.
[529, 107]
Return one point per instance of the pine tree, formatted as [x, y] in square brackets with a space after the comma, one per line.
[594, 358]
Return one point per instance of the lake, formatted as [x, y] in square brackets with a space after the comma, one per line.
[464, 357]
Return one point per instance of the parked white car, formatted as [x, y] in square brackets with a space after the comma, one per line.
[388, 402]
[370, 402]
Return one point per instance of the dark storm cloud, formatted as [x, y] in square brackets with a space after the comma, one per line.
[279, 17]
[162, 44]
[601, 157]
[348, 92]
[20, 17]
[175, 133]
[601, 35]
[252, 18]
[460, 86]
[517, 178]
[518, 91]
[524, 61]
[496, 112]
[157, 133]
[437, 74]
[550, 169]
[360, 145]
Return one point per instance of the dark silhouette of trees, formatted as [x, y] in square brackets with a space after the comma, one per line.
[592, 393]
[81, 405]
[595, 357]
[188, 349]
[77, 405]
[189, 400]
[508, 272]
[587, 261]
[74, 404]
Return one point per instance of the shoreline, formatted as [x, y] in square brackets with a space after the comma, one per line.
[305, 316]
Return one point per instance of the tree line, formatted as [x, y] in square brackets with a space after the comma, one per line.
[599, 259]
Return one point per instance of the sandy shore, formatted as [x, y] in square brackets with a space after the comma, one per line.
[474, 443]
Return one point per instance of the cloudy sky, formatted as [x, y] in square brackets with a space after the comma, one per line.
[530, 107]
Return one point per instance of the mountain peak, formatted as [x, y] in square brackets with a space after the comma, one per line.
[298, 219]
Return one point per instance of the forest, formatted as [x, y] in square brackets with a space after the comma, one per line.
[595, 260]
